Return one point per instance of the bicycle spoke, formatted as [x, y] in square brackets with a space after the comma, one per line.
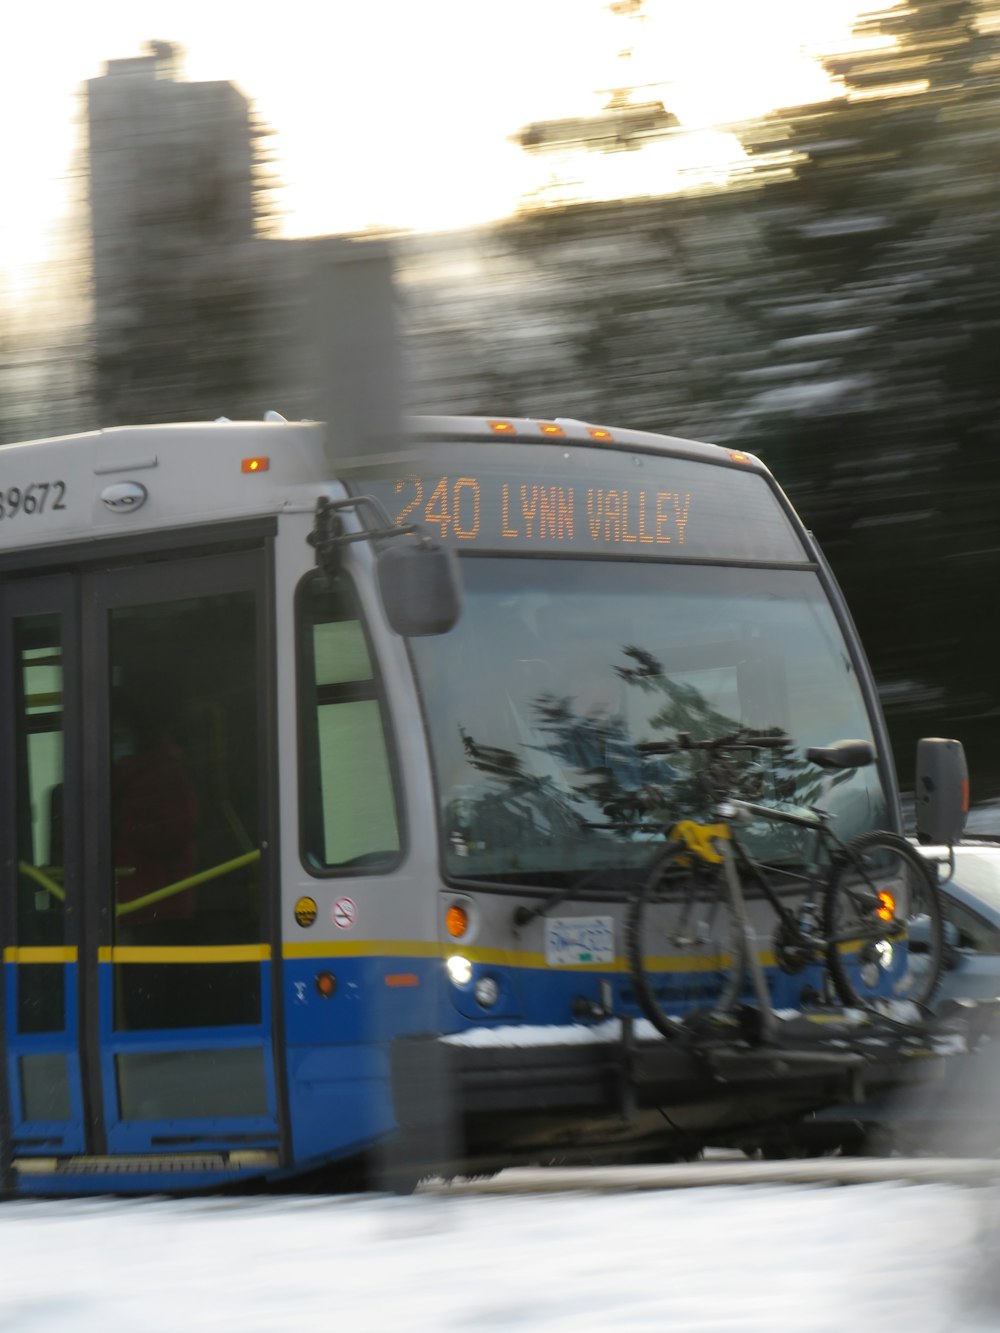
[685, 954]
[881, 888]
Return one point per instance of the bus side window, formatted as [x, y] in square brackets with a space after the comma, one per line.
[56, 837]
[348, 803]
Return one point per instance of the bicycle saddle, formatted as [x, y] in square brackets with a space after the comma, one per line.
[843, 754]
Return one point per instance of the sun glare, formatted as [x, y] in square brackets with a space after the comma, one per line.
[398, 115]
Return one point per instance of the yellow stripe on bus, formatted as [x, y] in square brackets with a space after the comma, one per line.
[374, 949]
[40, 955]
[190, 953]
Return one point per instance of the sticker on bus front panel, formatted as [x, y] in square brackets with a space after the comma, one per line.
[305, 912]
[572, 940]
[344, 913]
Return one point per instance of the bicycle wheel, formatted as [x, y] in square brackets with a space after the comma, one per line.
[685, 954]
[883, 888]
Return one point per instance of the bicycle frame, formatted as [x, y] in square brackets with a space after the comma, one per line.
[741, 923]
[716, 843]
[739, 811]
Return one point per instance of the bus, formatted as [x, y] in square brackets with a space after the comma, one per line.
[315, 766]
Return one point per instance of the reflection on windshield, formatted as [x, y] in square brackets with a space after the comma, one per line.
[558, 671]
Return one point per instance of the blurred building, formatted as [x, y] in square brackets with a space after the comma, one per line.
[174, 218]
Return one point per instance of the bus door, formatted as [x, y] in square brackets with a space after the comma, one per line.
[39, 867]
[158, 838]
[182, 999]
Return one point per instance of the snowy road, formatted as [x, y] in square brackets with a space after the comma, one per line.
[809, 1258]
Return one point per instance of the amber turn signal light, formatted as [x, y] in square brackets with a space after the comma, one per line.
[456, 921]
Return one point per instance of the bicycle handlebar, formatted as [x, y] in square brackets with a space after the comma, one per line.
[735, 740]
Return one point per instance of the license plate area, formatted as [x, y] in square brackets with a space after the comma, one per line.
[571, 941]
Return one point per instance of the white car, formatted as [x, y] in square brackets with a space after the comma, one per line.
[972, 920]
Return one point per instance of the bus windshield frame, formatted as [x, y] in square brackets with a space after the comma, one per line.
[614, 597]
[559, 669]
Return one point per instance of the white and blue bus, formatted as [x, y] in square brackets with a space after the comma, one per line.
[326, 783]
[299, 859]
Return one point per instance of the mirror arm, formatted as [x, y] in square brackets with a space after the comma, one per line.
[328, 536]
[419, 581]
[945, 878]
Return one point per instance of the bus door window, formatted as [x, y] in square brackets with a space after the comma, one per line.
[40, 915]
[184, 795]
[155, 807]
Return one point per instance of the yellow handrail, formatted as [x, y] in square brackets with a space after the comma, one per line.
[168, 890]
[202, 877]
[40, 877]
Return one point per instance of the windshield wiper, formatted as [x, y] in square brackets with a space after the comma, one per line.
[573, 892]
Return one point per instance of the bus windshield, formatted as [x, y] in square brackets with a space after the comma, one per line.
[538, 700]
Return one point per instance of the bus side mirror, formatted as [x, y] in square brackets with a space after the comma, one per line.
[421, 588]
[942, 791]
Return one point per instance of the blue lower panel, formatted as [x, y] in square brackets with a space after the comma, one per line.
[339, 1098]
[43, 1069]
[198, 1088]
[187, 1088]
[339, 1084]
[369, 1006]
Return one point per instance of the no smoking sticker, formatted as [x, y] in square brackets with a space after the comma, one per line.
[344, 913]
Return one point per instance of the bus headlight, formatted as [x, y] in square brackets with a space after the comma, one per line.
[459, 969]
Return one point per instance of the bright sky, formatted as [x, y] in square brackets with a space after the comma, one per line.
[399, 112]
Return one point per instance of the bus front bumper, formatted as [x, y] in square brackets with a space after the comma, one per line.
[620, 1092]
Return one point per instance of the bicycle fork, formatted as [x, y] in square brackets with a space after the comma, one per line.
[741, 924]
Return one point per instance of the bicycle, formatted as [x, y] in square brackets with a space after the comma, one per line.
[690, 942]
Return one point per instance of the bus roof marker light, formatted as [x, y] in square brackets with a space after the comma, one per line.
[260, 464]
[502, 427]
[738, 456]
[599, 433]
[550, 428]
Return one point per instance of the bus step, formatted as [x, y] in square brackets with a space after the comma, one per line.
[146, 1163]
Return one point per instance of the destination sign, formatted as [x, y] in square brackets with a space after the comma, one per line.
[538, 511]
[483, 496]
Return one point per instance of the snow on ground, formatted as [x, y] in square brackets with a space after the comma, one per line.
[820, 1259]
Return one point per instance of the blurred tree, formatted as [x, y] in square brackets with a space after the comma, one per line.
[838, 317]
[877, 315]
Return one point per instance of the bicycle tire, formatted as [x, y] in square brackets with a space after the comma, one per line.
[675, 920]
[865, 977]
